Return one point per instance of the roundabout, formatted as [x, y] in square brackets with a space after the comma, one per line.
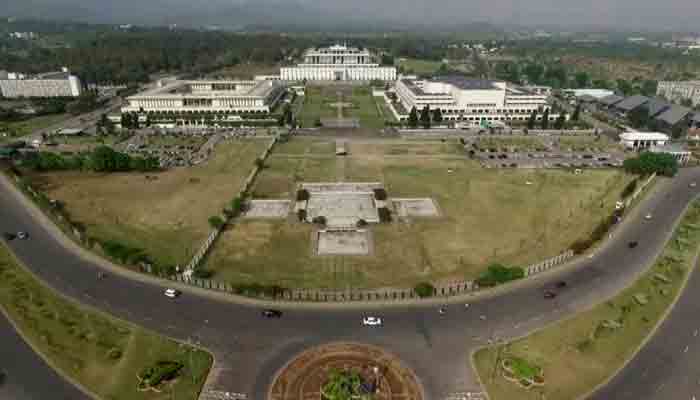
[380, 372]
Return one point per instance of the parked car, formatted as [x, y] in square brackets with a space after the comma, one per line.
[632, 244]
[22, 235]
[692, 184]
[371, 321]
[548, 294]
[647, 217]
[561, 284]
[272, 313]
[172, 293]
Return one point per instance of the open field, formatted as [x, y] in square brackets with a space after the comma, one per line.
[486, 216]
[318, 100]
[419, 67]
[22, 128]
[80, 143]
[102, 353]
[408, 148]
[165, 215]
[299, 146]
[579, 353]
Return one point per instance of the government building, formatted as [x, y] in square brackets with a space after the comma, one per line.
[338, 63]
[212, 96]
[50, 84]
[680, 90]
[475, 100]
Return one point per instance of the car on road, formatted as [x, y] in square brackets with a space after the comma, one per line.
[548, 294]
[22, 235]
[371, 321]
[692, 184]
[272, 313]
[647, 217]
[172, 293]
[632, 244]
[561, 284]
[9, 236]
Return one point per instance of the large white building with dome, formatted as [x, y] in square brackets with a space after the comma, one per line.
[338, 63]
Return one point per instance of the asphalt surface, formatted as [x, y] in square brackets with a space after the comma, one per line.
[24, 375]
[249, 349]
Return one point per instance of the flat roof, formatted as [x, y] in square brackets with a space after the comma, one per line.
[643, 136]
[611, 100]
[674, 115]
[256, 88]
[467, 83]
[632, 102]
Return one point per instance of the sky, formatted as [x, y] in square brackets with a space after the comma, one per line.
[645, 15]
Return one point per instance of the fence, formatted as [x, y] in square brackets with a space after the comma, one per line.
[312, 295]
[204, 249]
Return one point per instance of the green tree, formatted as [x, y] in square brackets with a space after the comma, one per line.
[577, 113]
[561, 121]
[437, 116]
[624, 87]
[342, 385]
[639, 117]
[532, 120]
[545, 119]
[582, 78]
[649, 87]
[425, 117]
[648, 163]
[216, 222]
[413, 118]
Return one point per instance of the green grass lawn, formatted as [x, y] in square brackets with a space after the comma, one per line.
[102, 353]
[584, 143]
[318, 100]
[167, 216]
[487, 216]
[580, 353]
[22, 128]
[301, 145]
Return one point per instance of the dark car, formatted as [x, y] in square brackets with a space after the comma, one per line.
[633, 244]
[561, 284]
[548, 294]
[22, 235]
[272, 313]
[9, 236]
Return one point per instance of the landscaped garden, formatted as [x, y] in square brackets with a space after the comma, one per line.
[577, 354]
[513, 217]
[111, 358]
[359, 103]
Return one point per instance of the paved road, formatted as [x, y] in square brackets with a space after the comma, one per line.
[436, 347]
[26, 376]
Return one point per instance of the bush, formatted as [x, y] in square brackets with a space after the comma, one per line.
[384, 214]
[319, 220]
[202, 273]
[648, 163]
[123, 253]
[629, 189]
[237, 206]
[380, 194]
[303, 195]
[260, 163]
[424, 289]
[498, 274]
[301, 215]
[162, 371]
[256, 289]
[216, 222]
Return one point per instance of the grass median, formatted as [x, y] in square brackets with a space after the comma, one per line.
[580, 353]
[103, 354]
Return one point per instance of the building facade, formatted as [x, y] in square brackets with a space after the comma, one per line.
[52, 84]
[473, 100]
[338, 63]
[643, 140]
[218, 96]
[677, 91]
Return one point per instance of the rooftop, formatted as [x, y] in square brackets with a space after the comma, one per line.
[182, 89]
[674, 114]
[643, 136]
[632, 102]
[467, 83]
[656, 107]
[611, 100]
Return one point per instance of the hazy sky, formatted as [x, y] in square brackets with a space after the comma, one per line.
[654, 15]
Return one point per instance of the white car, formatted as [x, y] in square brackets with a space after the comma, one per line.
[22, 235]
[371, 321]
[693, 184]
[172, 293]
[647, 217]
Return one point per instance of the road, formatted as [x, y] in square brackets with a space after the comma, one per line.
[436, 347]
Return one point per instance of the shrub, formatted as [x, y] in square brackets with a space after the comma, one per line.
[260, 163]
[648, 163]
[380, 194]
[320, 220]
[202, 273]
[498, 274]
[424, 289]
[303, 195]
[237, 206]
[123, 253]
[629, 189]
[301, 215]
[216, 222]
[384, 214]
[162, 371]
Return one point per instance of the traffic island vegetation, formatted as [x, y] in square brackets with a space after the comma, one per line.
[580, 353]
[159, 216]
[513, 217]
[109, 357]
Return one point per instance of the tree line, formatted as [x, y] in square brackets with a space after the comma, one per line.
[102, 159]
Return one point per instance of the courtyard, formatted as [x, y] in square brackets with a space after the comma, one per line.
[356, 103]
[475, 216]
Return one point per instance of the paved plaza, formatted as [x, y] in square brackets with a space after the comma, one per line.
[342, 209]
[420, 207]
[267, 209]
[343, 242]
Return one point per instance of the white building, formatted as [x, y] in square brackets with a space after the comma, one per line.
[679, 90]
[597, 93]
[338, 63]
[681, 154]
[52, 84]
[214, 96]
[461, 99]
[643, 140]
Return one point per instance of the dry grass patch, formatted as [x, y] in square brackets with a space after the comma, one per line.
[166, 215]
[582, 352]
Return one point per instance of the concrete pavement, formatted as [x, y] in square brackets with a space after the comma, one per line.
[436, 347]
